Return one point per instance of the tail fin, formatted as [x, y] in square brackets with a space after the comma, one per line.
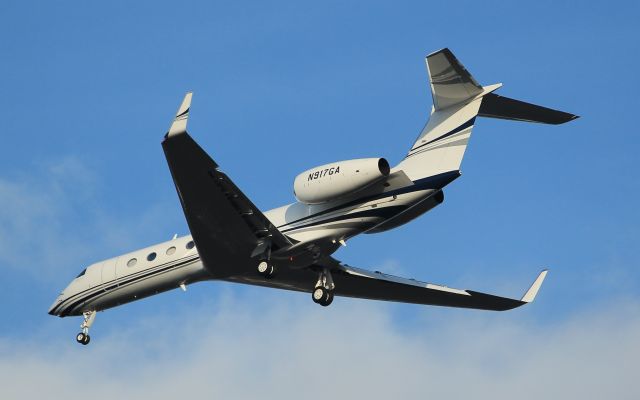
[457, 97]
[450, 81]
[457, 100]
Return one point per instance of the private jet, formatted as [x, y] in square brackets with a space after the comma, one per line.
[291, 247]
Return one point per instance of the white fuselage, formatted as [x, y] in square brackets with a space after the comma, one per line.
[171, 264]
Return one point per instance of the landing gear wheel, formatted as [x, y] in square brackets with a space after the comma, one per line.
[83, 338]
[318, 294]
[322, 296]
[329, 299]
[265, 269]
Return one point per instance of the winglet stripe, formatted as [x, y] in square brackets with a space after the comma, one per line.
[179, 124]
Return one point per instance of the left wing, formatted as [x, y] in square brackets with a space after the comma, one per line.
[227, 227]
[356, 282]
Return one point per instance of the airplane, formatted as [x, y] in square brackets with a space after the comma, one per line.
[291, 247]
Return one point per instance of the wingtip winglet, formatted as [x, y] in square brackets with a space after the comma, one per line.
[535, 287]
[179, 124]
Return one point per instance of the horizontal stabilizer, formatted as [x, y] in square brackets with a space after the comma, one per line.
[495, 106]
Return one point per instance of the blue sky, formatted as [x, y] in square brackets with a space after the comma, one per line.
[89, 90]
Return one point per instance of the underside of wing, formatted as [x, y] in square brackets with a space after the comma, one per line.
[355, 282]
[227, 227]
[348, 281]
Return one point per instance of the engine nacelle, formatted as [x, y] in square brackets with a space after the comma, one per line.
[340, 179]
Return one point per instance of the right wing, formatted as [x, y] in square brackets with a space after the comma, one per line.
[227, 227]
[360, 283]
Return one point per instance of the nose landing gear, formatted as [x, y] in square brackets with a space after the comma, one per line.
[83, 337]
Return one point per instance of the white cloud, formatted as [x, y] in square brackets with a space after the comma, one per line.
[52, 219]
[29, 218]
[353, 349]
[282, 350]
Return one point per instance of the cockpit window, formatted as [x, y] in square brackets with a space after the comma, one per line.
[81, 273]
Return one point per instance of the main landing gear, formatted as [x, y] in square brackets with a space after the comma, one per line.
[322, 296]
[266, 269]
[323, 292]
[83, 337]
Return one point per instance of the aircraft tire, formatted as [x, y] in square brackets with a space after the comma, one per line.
[80, 338]
[328, 300]
[322, 296]
[265, 269]
[319, 294]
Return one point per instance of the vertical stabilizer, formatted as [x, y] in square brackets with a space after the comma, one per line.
[457, 98]
[450, 81]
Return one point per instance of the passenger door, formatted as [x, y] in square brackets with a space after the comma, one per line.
[109, 274]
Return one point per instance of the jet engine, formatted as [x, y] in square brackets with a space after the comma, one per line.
[339, 179]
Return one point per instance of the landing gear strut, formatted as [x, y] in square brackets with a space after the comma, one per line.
[265, 267]
[83, 337]
[323, 292]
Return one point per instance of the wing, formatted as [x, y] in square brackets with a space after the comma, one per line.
[355, 282]
[227, 227]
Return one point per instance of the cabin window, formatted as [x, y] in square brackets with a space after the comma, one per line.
[132, 262]
[190, 245]
[151, 257]
[171, 250]
[81, 273]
